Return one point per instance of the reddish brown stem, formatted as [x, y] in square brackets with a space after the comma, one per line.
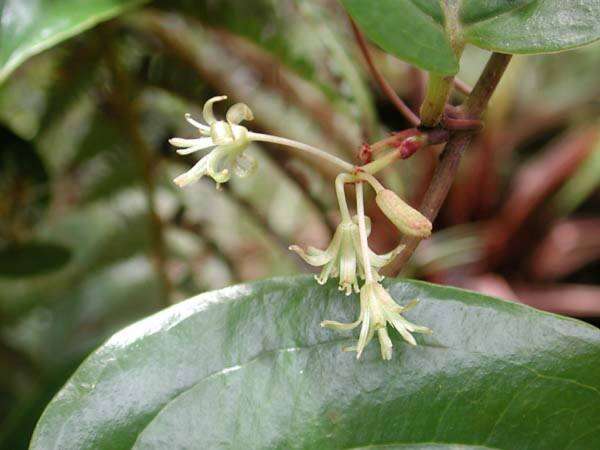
[447, 167]
[385, 87]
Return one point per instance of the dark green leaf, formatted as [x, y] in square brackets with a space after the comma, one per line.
[540, 27]
[422, 33]
[408, 29]
[24, 193]
[30, 26]
[32, 258]
[249, 367]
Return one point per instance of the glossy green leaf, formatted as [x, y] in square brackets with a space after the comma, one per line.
[249, 367]
[429, 36]
[31, 26]
[540, 27]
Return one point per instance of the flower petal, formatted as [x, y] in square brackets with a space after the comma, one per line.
[314, 257]
[365, 331]
[386, 300]
[244, 165]
[340, 325]
[188, 146]
[212, 165]
[366, 334]
[328, 270]
[385, 343]
[410, 305]
[399, 326]
[203, 128]
[220, 133]
[207, 111]
[239, 112]
[383, 260]
[194, 174]
[347, 267]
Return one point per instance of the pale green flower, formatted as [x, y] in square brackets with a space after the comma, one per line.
[377, 309]
[227, 141]
[343, 257]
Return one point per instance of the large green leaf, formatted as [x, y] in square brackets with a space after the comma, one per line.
[429, 36]
[30, 26]
[249, 367]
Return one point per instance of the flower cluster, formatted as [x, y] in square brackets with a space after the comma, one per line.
[348, 256]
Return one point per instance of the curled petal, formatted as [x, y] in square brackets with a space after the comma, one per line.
[238, 113]
[383, 260]
[312, 256]
[316, 257]
[207, 111]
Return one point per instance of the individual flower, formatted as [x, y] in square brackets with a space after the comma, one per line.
[226, 139]
[377, 309]
[344, 258]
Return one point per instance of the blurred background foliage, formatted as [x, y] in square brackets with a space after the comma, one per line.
[93, 234]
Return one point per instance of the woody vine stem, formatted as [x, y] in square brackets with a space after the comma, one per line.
[348, 256]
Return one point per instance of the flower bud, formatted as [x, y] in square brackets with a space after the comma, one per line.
[407, 219]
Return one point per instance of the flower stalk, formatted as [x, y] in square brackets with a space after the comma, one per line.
[436, 97]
